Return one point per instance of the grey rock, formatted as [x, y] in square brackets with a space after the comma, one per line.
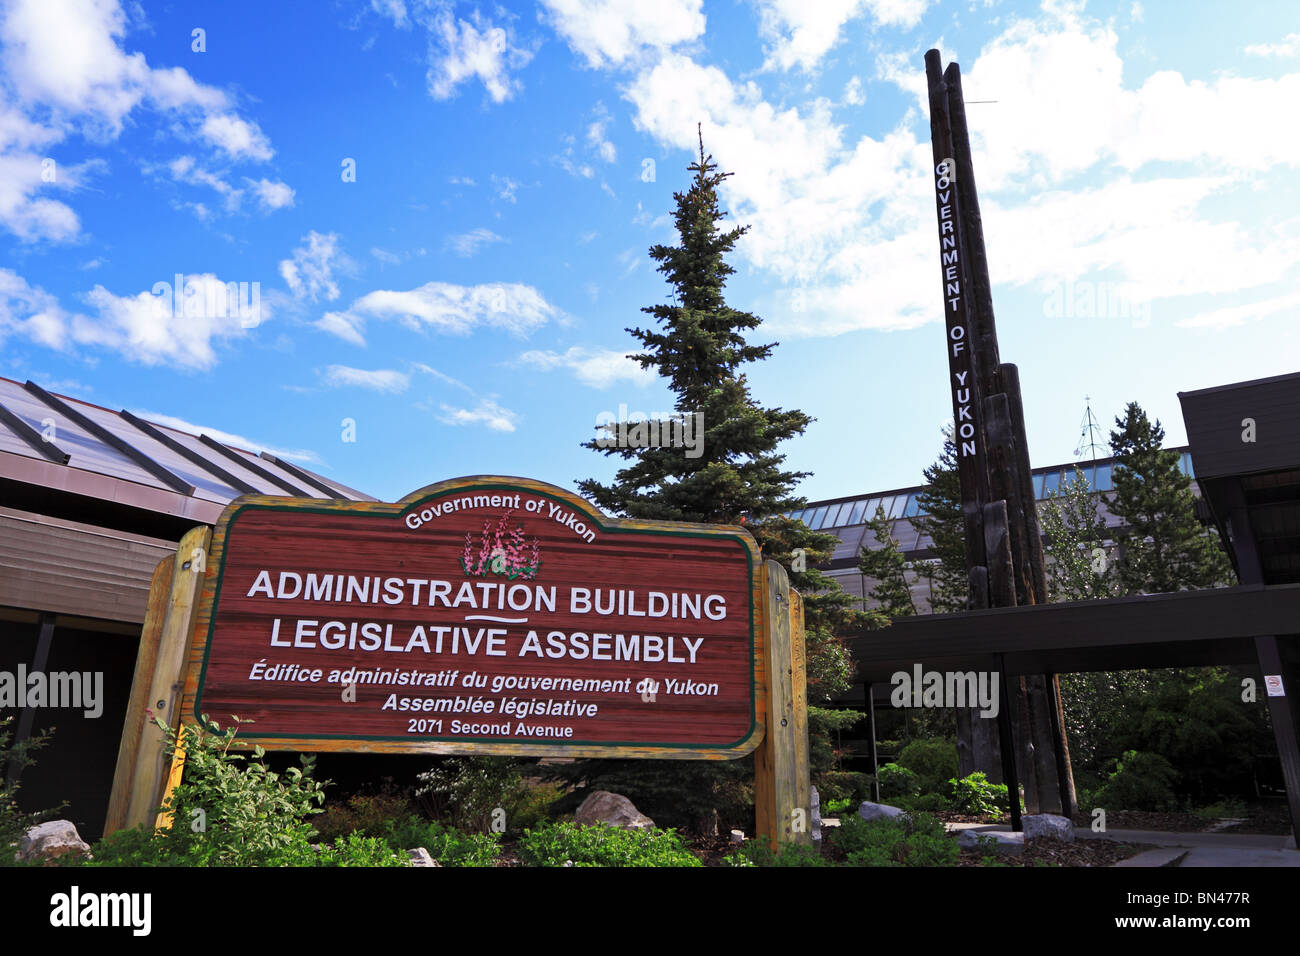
[816, 814]
[49, 841]
[1048, 826]
[421, 857]
[611, 809]
[879, 811]
[1001, 841]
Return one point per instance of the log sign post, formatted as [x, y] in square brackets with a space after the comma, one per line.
[493, 615]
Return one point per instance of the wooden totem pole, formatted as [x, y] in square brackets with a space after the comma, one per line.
[1004, 550]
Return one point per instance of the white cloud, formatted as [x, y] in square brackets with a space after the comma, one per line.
[239, 138]
[270, 194]
[454, 382]
[461, 51]
[853, 95]
[32, 313]
[468, 243]
[843, 223]
[505, 187]
[802, 33]
[1241, 314]
[446, 308]
[149, 329]
[377, 380]
[596, 138]
[27, 214]
[597, 368]
[487, 412]
[63, 69]
[614, 32]
[1288, 46]
[394, 10]
[310, 273]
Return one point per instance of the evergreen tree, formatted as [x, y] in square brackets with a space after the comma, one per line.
[1162, 545]
[887, 567]
[940, 517]
[1078, 567]
[699, 347]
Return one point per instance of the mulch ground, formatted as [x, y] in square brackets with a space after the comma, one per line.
[1059, 853]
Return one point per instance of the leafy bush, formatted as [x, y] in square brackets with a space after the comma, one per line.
[974, 794]
[933, 760]
[759, 853]
[925, 803]
[844, 785]
[838, 806]
[896, 781]
[445, 844]
[561, 844]
[355, 849]
[363, 812]
[533, 806]
[227, 810]
[1141, 781]
[465, 791]
[14, 822]
[914, 840]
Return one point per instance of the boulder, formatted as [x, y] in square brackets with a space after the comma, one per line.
[49, 841]
[611, 809]
[421, 857]
[999, 841]
[878, 811]
[816, 814]
[1048, 826]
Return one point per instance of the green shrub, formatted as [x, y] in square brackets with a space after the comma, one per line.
[759, 853]
[445, 844]
[925, 803]
[933, 760]
[914, 840]
[896, 781]
[533, 806]
[1141, 781]
[838, 806]
[561, 844]
[466, 791]
[355, 849]
[362, 812]
[228, 810]
[844, 785]
[975, 795]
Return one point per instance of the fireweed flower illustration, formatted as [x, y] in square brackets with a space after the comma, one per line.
[502, 550]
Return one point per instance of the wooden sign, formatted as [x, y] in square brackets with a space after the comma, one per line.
[479, 615]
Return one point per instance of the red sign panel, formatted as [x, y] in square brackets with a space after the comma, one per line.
[489, 615]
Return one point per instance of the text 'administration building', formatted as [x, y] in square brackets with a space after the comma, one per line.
[90, 501]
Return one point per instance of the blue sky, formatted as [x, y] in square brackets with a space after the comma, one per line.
[463, 299]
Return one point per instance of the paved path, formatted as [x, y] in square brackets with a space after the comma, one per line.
[1186, 849]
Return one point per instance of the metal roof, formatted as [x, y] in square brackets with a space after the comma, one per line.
[62, 443]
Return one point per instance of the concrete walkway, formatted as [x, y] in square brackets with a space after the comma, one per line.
[1185, 849]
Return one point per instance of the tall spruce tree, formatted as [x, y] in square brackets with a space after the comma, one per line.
[940, 517]
[887, 567]
[1163, 547]
[699, 347]
[1079, 567]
